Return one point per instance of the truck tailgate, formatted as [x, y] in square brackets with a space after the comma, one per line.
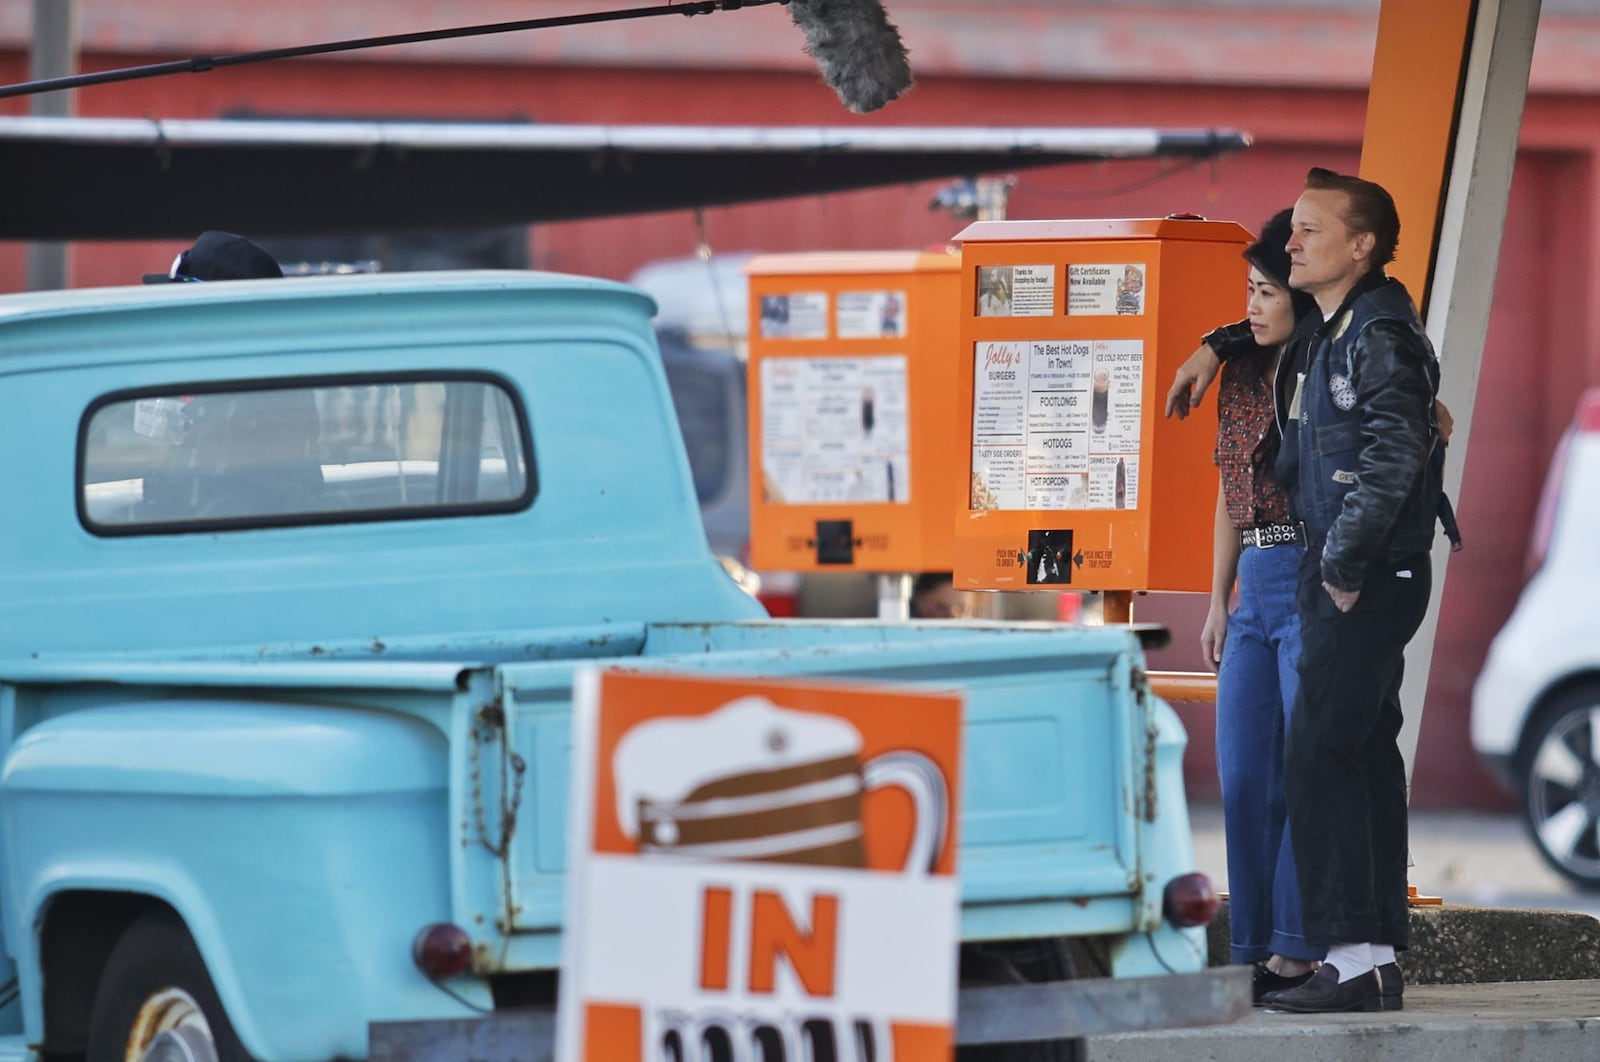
[1058, 743]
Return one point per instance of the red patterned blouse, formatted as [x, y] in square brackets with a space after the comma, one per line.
[1247, 441]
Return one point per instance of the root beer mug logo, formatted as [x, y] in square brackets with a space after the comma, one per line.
[793, 795]
[760, 872]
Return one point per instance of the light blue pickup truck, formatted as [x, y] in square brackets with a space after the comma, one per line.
[294, 576]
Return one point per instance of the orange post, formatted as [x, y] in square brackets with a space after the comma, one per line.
[1184, 686]
[1116, 606]
[1419, 72]
[1414, 104]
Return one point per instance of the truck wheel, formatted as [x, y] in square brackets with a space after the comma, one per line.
[1561, 784]
[156, 1003]
[1035, 961]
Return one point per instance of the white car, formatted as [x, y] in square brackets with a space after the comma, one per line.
[1536, 705]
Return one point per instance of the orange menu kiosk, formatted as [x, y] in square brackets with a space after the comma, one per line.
[1070, 333]
[853, 383]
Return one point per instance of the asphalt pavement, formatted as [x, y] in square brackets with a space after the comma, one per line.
[1484, 859]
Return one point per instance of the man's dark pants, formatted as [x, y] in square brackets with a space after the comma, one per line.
[1345, 777]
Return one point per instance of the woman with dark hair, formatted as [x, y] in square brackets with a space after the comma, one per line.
[1256, 647]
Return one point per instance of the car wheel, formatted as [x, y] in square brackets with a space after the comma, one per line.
[1561, 784]
[156, 1003]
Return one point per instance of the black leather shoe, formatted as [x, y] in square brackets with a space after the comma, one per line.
[1323, 994]
[1391, 986]
[1264, 981]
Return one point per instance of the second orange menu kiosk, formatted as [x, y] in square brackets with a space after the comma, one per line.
[1070, 333]
[854, 456]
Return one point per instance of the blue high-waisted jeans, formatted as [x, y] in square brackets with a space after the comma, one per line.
[1256, 687]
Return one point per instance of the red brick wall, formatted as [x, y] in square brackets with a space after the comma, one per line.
[1542, 337]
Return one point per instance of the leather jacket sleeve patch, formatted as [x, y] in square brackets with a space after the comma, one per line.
[1342, 391]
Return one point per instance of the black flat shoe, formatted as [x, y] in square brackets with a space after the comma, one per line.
[1391, 986]
[1264, 981]
[1323, 994]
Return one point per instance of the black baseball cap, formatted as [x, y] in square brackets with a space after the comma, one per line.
[218, 256]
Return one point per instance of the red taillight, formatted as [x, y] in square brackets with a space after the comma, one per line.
[780, 594]
[1190, 900]
[780, 606]
[442, 950]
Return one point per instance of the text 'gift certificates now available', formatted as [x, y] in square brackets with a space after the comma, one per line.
[759, 870]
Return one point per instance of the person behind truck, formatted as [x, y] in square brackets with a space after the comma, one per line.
[1256, 647]
[934, 596]
[218, 256]
[245, 454]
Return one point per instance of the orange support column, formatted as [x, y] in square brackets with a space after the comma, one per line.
[1413, 107]
[1419, 75]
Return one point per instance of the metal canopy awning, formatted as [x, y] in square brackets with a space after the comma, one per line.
[125, 178]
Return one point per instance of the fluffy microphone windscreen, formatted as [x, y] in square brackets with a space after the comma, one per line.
[858, 49]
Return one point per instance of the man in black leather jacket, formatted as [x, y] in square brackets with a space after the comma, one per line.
[1357, 412]
[1361, 459]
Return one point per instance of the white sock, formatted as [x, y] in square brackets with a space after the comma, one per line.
[1351, 960]
[1382, 954]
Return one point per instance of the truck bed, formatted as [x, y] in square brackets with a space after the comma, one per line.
[1061, 740]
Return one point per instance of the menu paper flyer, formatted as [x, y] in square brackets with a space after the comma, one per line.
[835, 430]
[1106, 289]
[800, 315]
[870, 315]
[1056, 424]
[1016, 291]
[766, 867]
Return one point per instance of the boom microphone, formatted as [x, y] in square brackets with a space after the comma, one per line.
[858, 49]
[853, 41]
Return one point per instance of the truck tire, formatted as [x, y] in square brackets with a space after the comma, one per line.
[1559, 782]
[1036, 961]
[155, 1001]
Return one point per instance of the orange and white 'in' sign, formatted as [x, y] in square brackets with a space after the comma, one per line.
[759, 871]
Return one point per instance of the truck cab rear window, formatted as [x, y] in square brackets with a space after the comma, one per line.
[309, 453]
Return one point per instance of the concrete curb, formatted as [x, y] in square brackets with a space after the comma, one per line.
[1454, 944]
[1546, 1021]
